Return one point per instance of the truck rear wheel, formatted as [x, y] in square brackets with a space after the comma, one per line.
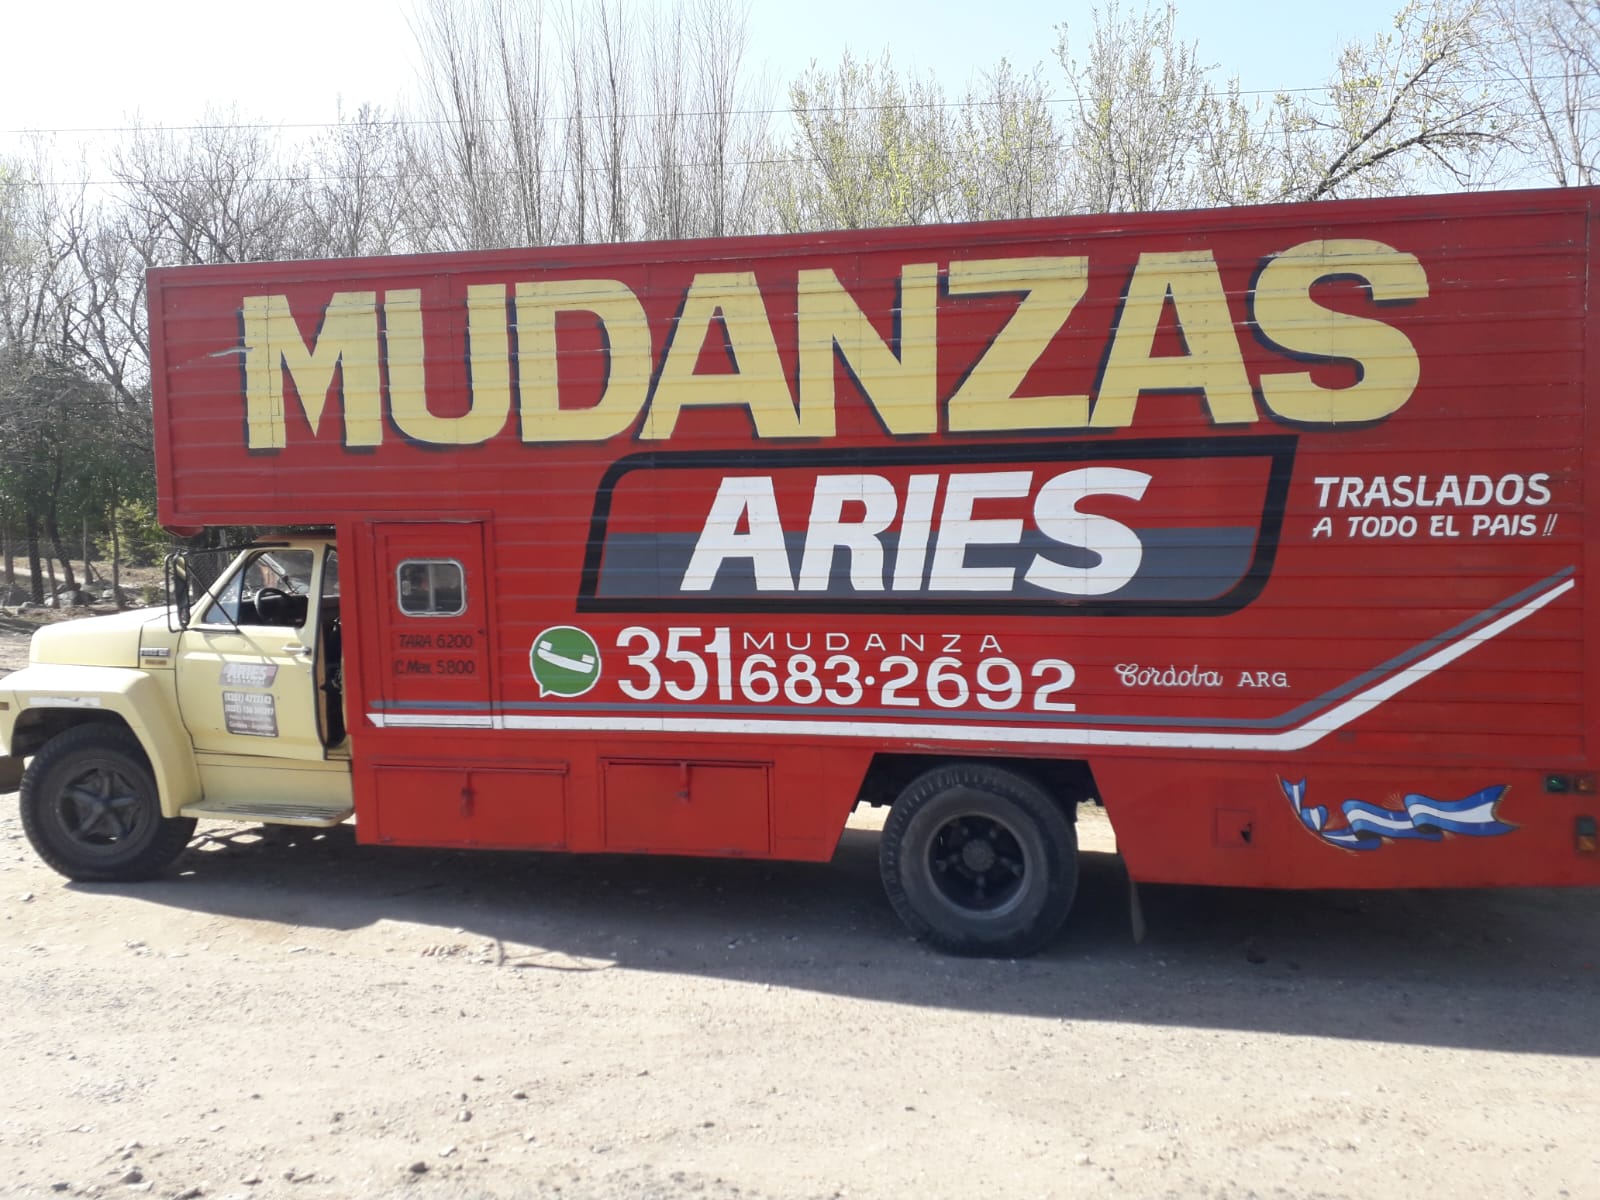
[91, 809]
[978, 860]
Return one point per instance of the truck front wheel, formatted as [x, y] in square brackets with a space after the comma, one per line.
[91, 809]
[978, 860]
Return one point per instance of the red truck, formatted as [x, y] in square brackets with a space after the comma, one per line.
[1264, 528]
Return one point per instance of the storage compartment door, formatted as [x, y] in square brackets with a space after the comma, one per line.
[521, 808]
[682, 807]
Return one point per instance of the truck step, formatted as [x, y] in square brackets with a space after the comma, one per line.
[269, 812]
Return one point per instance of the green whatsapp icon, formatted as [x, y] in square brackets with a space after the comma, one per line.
[565, 661]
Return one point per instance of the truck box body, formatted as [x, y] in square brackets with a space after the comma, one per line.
[1267, 525]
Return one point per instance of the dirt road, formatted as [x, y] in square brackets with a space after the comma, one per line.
[13, 644]
[321, 1019]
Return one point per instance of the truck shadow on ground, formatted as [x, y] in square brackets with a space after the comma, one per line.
[1497, 970]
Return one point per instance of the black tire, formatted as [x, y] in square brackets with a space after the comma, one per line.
[91, 809]
[978, 860]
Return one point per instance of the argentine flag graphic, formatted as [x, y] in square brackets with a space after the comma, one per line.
[1420, 818]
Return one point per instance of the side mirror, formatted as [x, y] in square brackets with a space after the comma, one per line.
[176, 569]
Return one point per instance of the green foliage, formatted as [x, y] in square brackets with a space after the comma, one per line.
[143, 542]
[870, 148]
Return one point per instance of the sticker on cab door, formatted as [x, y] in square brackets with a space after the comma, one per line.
[253, 714]
[249, 674]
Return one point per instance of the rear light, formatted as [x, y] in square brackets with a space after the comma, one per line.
[1584, 783]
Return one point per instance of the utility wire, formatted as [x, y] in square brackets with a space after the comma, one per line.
[653, 114]
[554, 171]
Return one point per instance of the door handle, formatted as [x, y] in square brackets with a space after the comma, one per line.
[296, 649]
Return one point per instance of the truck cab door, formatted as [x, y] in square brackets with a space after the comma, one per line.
[246, 668]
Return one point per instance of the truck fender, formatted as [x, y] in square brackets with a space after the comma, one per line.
[139, 700]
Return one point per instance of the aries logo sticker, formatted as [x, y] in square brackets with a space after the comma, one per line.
[1175, 527]
[249, 674]
[1420, 818]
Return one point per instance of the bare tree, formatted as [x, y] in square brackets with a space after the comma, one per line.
[220, 191]
[577, 121]
[597, 146]
[31, 258]
[606, 47]
[1406, 110]
[1007, 155]
[1550, 52]
[668, 198]
[106, 319]
[355, 202]
[732, 144]
[704, 141]
[448, 159]
[480, 155]
[521, 54]
[1146, 116]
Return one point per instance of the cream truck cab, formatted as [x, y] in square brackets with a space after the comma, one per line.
[225, 704]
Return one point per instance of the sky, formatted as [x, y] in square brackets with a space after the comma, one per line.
[94, 64]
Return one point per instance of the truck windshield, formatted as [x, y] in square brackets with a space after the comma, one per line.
[268, 589]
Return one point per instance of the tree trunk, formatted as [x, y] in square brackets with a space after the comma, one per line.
[30, 523]
[53, 528]
[7, 549]
[89, 574]
[116, 553]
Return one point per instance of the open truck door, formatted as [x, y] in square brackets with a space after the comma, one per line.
[248, 660]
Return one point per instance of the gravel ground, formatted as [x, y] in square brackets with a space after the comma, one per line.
[313, 1018]
[13, 643]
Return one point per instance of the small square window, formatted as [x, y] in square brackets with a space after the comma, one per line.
[431, 587]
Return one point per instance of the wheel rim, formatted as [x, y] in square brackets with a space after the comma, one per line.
[100, 809]
[977, 864]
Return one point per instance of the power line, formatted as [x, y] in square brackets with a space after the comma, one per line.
[967, 102]
[555, 171]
